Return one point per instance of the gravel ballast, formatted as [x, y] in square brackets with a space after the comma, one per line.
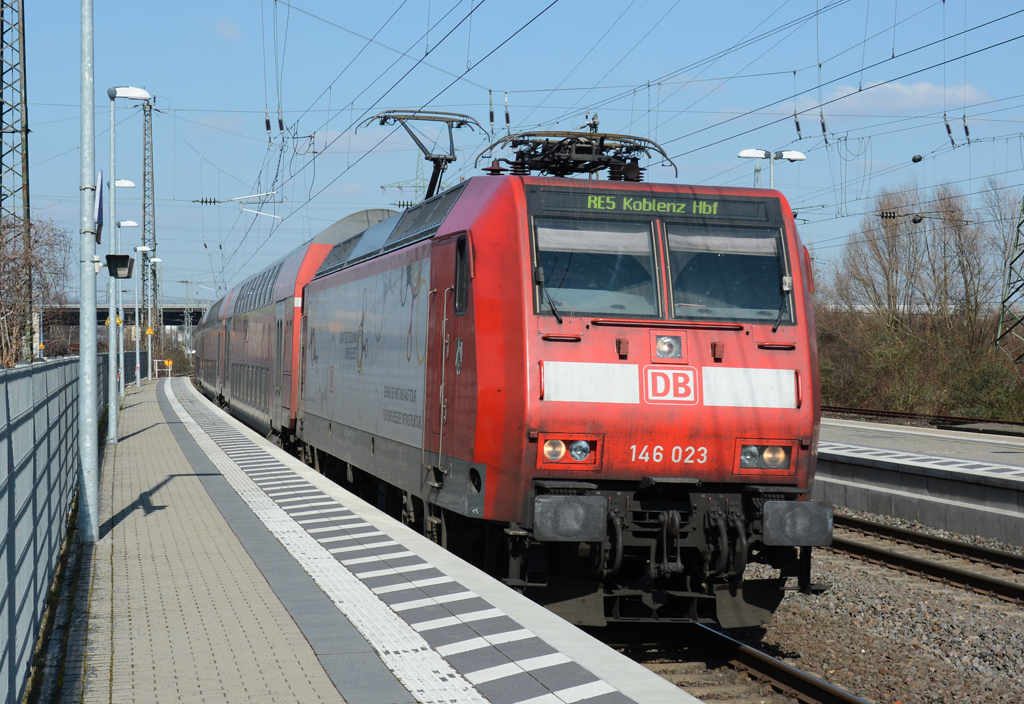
[890, 637]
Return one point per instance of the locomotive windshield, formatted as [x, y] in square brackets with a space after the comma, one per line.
[597, 267]
[627, 254]
[726, 273]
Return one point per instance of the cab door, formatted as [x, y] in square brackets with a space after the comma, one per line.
[450, 404]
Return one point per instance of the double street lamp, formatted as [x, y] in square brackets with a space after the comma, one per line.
[771, 157]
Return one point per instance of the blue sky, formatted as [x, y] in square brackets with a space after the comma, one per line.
[704, 80]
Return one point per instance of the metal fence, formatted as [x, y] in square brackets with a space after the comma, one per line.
[38, 477]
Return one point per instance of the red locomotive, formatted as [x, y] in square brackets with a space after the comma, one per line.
[603, 392]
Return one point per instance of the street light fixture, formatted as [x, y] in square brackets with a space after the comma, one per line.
[121, 183]
[115, 248]
[138, 381]
[771, 157]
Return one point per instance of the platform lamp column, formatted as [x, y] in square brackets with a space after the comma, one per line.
[150, 275]
[113, 287]
[790, 156]
[138, 379]
[120, 183]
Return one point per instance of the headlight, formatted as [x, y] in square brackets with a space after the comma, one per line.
[669, 346]
[554, 450]
[774, 456]
[579, 450]
[765, 457]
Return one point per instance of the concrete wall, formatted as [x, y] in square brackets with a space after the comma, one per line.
[957, 501]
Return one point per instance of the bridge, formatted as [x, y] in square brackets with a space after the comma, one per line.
[174, 314]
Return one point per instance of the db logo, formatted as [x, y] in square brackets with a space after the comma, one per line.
[671, 385]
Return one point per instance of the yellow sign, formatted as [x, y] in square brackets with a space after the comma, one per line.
[149, 331]
[169, 362]
[107, 321]
[119, 321]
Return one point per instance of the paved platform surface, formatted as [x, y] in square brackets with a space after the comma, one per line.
[228, 571]
[977, 453]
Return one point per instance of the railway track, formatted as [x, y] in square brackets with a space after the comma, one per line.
[716, 668]
[992, 572]
[999, 427]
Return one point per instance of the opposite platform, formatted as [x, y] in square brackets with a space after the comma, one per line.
[229, 571]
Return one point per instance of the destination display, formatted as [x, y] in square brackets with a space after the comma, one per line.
[650, 204]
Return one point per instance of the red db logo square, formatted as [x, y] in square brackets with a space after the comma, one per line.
[670, 385]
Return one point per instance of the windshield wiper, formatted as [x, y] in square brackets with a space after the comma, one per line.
[538, 278]
[787, 286]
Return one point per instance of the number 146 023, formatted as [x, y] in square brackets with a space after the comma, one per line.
[678, 454]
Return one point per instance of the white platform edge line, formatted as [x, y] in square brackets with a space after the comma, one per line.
[617, 670]
[427, 676]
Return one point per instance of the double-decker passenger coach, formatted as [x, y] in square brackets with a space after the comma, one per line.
[604, 392]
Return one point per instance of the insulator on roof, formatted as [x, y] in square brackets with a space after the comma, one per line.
[949, 130]
[967, 132]
[796, 119]
[824, 132]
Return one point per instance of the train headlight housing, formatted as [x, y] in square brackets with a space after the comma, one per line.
[554, 450]
[568, 451]
[669, 347]
[579, 450]
[766, 456]
[749, 456]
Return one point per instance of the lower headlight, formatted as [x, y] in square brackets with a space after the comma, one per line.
[765, 457]
[579, 450]
[554, 450]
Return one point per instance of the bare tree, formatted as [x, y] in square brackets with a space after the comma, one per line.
[51, 262]
[909, 315]
[879, 269]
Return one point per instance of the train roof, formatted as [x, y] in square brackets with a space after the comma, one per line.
[262, 287]
[416, 223]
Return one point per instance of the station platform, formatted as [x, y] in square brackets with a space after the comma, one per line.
[228, 571]
[965, 482]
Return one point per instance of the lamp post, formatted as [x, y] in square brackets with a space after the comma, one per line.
[121, 183]
[771, 157]
[149, 321]
[138, 380]
[112, 385]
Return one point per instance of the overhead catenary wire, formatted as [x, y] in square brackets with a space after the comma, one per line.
[427, 103]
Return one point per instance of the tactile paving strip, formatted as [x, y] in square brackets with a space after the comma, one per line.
[441, 640]
[1002, 471]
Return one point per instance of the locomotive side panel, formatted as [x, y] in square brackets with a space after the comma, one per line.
[365, 370]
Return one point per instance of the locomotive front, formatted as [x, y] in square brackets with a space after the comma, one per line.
[672, 411]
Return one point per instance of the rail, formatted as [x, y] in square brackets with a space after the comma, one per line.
[981, 583]
[948, 422]
[642, 643]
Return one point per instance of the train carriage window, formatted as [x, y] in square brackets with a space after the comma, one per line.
[596, 267]
[461, 275]
[727, 273]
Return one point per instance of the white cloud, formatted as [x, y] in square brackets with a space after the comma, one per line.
[896, 98]
[228, 30]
